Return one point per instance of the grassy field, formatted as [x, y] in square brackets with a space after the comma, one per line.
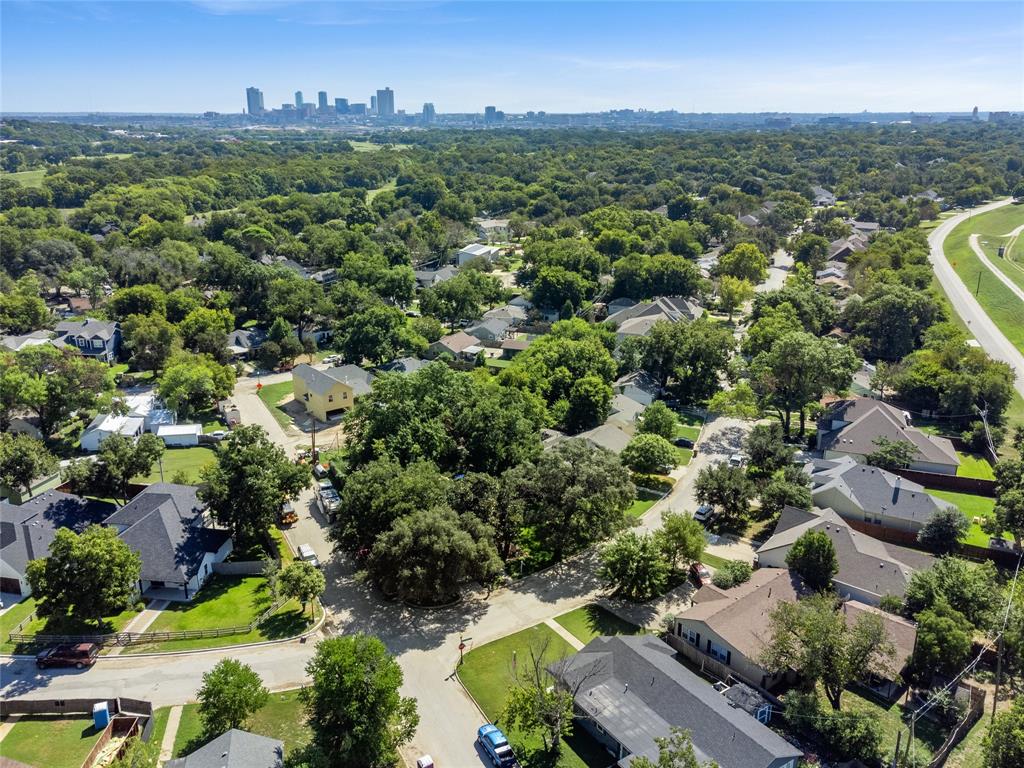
[271, 395]
[592, 621]
[372, 193]
[54, 624]
[991, 228]
[51, 741]
[33, 178]
[968, 753]
[638, 508]
[996, 299]
[283, 717]
[487, 675]
[928, 736]
[228, 602]
[973, 465]
[713, 561]
[187, 460]
[370, 146]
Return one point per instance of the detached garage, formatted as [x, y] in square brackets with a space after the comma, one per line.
[179, 435]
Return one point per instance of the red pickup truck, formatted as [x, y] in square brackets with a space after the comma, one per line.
[77, 655]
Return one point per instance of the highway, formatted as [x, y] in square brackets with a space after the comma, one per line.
[981, 326]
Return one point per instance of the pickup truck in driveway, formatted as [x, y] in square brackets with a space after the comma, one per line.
[496, 746]
[78, 655]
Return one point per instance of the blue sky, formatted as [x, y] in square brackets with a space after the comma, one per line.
[571, 56]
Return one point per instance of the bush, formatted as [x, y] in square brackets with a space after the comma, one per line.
[649, 453]
[731, 574]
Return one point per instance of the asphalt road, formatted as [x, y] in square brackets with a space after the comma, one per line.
[981, 326]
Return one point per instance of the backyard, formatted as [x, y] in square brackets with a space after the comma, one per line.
[487, 675]
[590, 621]
[973, 506]
[190, 461]
[53, 741]
[973, 465]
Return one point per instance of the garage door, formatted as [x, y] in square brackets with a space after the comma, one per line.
[11, 586]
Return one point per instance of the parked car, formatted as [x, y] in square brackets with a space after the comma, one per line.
[219, 434]
[324, 485]
[683, 442]
[287, 515]
[736, 460]
[77, 655]
[319, 471]
[699, 574]
[496, 746]
[704, 513]
[425, 762]
[307, 554]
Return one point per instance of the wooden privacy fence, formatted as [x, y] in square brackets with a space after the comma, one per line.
[140, 638]
[73, 706]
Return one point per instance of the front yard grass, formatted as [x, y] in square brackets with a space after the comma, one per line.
[487, 675]
[644, 501]
[272, 395]
[54, 625]
[590, 621]
[188, 460]
[283, 717]
[53, 741]
[973, 465]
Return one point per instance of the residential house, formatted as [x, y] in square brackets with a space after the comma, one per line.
[427, 278]
[243, 343]
[749, 220]
[107, 424]
[728, 626]
[886, 677]
[26, 340]
[866, 228]
[93, 338]
[853, 427]
[328, 392]
[492, 330]
[869, 569]
[234, 749]
[458, 344]
[512, 314]
[28, 529]
[492, 230]
[841, 249]
[636, 319]
[512, 347]
[625, 409]
[166, 525]
[629, 691]
[639, 386]
[403, 365]
[858, 492]
[283, 261]
[477, 251]
[613, 435]
[822, 197]
[326, 277]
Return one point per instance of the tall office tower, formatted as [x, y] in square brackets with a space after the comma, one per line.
[341, 106]
[308, 109]
[490, 114]
[373, 105]
[298, 100]
[357, 108]
[386, 103]
[321, 99]
[254, 100]
[429, 113]
[974, 114]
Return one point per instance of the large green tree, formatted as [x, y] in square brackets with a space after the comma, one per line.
[634, 566]
[122, 458]
[22, 460]
[230, 694]
[302, 581]
[813, 558]
[150, 339]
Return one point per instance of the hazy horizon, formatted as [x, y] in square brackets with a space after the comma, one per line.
[797, 57]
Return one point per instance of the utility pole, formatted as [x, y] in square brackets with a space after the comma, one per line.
[896, 754]
[999, 673]
[976, 290]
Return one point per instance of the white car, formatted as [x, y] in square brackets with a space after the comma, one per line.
[307, 554]
[703, 513]
[736, 460]
[219, 434]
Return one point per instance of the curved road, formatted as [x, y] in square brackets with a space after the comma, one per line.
[981, 326]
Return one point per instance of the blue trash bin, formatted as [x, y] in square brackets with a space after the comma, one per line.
[100, 715]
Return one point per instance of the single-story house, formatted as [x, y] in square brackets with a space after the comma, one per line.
[858, 492]
[325, 277]
[749, 220]
[613, 435]
[869, 569]
[166, 524]
[625, 409]
[510, 313]
[841, 249]
[865, 228]
[852, 426]
[457, 344]
[477, 251]
[635, 319]
[630, 690]
[403, 365]
[105, 425]
[728, 626]
[326, 393]
[639, 386]
[244, 342]
[492, 230]
[27, 530]
[93, 338]
[425, 278]
[822, 197]
[180, 435]
[512, 347]
[26, 340]
[886, 677]
[234, 749]
[493, 330]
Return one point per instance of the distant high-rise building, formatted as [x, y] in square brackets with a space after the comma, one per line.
[974, 114]
[493, 115]
[298, 99]
[308, 109]
[429, 113]
[341, 106]
[386, 103]
[357, 108]
[254, 100]
[321, 99]
[373, 105]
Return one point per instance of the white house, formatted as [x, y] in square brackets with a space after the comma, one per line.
[105, 425]
[492, 230]
[179, 435]
[477, 251]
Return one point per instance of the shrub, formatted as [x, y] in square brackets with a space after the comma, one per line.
[731, 574]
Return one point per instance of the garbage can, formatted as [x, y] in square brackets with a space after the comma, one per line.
[100, 715]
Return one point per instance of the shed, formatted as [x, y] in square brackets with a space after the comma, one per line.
[179, 435]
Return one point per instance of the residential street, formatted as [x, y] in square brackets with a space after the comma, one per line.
[981, 326]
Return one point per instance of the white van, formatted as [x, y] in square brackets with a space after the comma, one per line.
[307, 554]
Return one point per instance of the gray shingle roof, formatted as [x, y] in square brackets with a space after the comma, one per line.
[635, 689]
[637, 319]
[164, 524]
[323, 381]
[88, 328]
[27, 530]
[234, 749]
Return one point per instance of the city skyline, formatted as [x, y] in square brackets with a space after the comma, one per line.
[570, 57]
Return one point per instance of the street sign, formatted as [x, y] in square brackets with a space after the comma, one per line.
[462, 646]
[259, 386]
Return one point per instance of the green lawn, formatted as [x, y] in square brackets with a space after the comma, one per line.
[187, 460]
[972, 506]
[638, 508]
[487, 674]
[998, 301]
[973, 465]
[683, 456]
[713, 561]
[50, 741]
[55, 625]
[283, 717]
[389, 187]
[497, 362]
[160, 716]
[271, 395]
[687, 430]
[968, 753]
[228, 602]
[33, 178]
[592, 621]
[928, 735]
[990, 228]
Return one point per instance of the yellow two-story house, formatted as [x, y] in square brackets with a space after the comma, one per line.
[328, 392]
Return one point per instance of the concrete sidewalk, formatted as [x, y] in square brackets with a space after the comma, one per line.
[167, 745]
[141, 622]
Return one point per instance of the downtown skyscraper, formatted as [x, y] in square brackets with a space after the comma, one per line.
[386, 103]
[254, 101]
